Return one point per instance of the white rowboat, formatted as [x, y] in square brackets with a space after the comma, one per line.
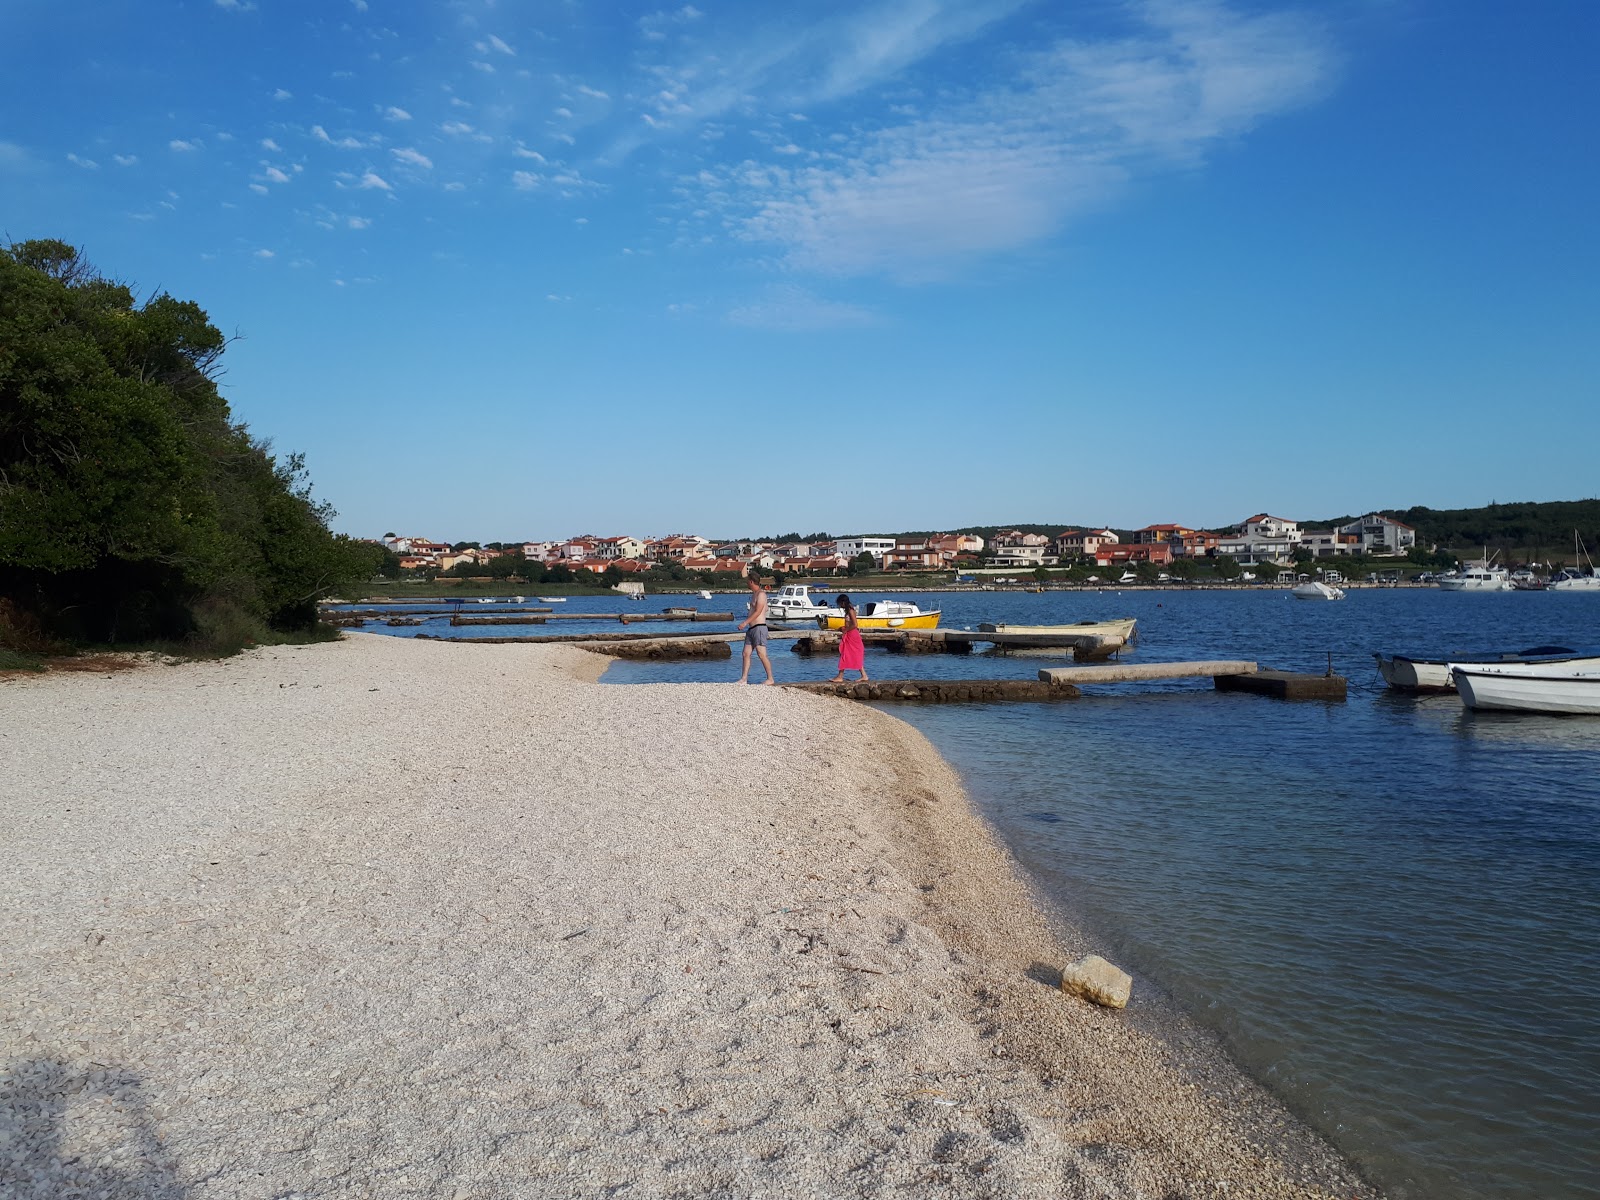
[1518, 689]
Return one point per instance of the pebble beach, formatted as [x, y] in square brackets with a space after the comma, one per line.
[394, 918]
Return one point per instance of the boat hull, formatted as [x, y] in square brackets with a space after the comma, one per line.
[927, 620]
[1522, 690]
[1316, 591]
[1584, 583]
[1408, 674]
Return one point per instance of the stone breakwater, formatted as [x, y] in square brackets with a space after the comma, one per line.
[408, 919]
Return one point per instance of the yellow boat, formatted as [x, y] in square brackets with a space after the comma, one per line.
[886, 614]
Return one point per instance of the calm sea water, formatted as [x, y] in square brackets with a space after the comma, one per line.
[1387, 909]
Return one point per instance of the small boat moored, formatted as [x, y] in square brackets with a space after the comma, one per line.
[552, 599]
[1409, 673]
[885, 614]
[1476, 577]
[1313, 590]
[1521, 689]
[1574, 579]
[795, 603]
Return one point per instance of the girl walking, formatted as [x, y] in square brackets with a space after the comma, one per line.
[852, 653]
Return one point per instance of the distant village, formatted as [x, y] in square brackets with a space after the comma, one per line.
[1261, 540]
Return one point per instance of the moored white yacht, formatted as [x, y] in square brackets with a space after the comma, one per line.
[1574, 579]
[1313, 590]
[1477, 577]
[794, 603]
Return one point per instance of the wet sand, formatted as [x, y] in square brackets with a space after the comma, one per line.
[386, 917]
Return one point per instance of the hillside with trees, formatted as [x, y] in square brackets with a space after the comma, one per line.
[133, 506]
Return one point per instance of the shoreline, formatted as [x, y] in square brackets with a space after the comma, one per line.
[782, 917]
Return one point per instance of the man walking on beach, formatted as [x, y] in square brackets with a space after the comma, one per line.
[755, 629]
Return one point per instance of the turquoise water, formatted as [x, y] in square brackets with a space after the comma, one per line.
[1388, 909]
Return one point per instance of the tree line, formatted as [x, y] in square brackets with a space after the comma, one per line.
[134, 507]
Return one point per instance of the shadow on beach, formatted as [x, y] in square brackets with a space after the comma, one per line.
[80, 1131]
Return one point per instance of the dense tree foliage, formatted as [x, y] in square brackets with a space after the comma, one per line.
[132, 505]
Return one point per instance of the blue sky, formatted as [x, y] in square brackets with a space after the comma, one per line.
[509, 269]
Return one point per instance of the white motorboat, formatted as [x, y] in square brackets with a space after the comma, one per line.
[552, 599]
[1410, 673]
[704, 594]
[1313, 590]
[1128, 577]
[794, 603]
[1576, 579]
[1523, 689]
[1476, 577]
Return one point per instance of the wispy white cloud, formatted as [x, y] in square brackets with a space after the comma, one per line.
[414, 157]
[87, 164]
[182, 146]
[360, 5]
[793, 309]
[486, 68]
[1005, 167]
[235, 5]
[525, 181]
[396, 114]
[371, 179]
[265, 254]
[125, 160]
[269, 144]
[345, 143]
[260, 189]
[275, 175]
[283, 94]
[14, 157]
[592, 93]
[494, 43]
[358, 222]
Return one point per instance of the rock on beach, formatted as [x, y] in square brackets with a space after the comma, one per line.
[410, 919]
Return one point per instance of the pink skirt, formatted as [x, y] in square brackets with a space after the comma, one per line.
[852, 654]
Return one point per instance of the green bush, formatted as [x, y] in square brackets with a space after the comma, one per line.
[133, 507]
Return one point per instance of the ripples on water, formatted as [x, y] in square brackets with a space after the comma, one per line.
[1388, 909]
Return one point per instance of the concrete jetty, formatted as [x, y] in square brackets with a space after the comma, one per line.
[941, 691]
[1286, 685]
[1131, 672]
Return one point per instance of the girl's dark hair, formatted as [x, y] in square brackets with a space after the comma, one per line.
[844, 602]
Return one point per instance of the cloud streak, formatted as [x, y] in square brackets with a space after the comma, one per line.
[1004, 168]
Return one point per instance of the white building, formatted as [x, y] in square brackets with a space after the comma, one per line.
[1382, 535]
[850, 547]
[1262, 538]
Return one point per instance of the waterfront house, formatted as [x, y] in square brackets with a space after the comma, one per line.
[610, 549]
[1082, 543]
[1172, 535]
[1117, 553]
[850, 547]
[1381, 535]
[912, 557]
[949, 545]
